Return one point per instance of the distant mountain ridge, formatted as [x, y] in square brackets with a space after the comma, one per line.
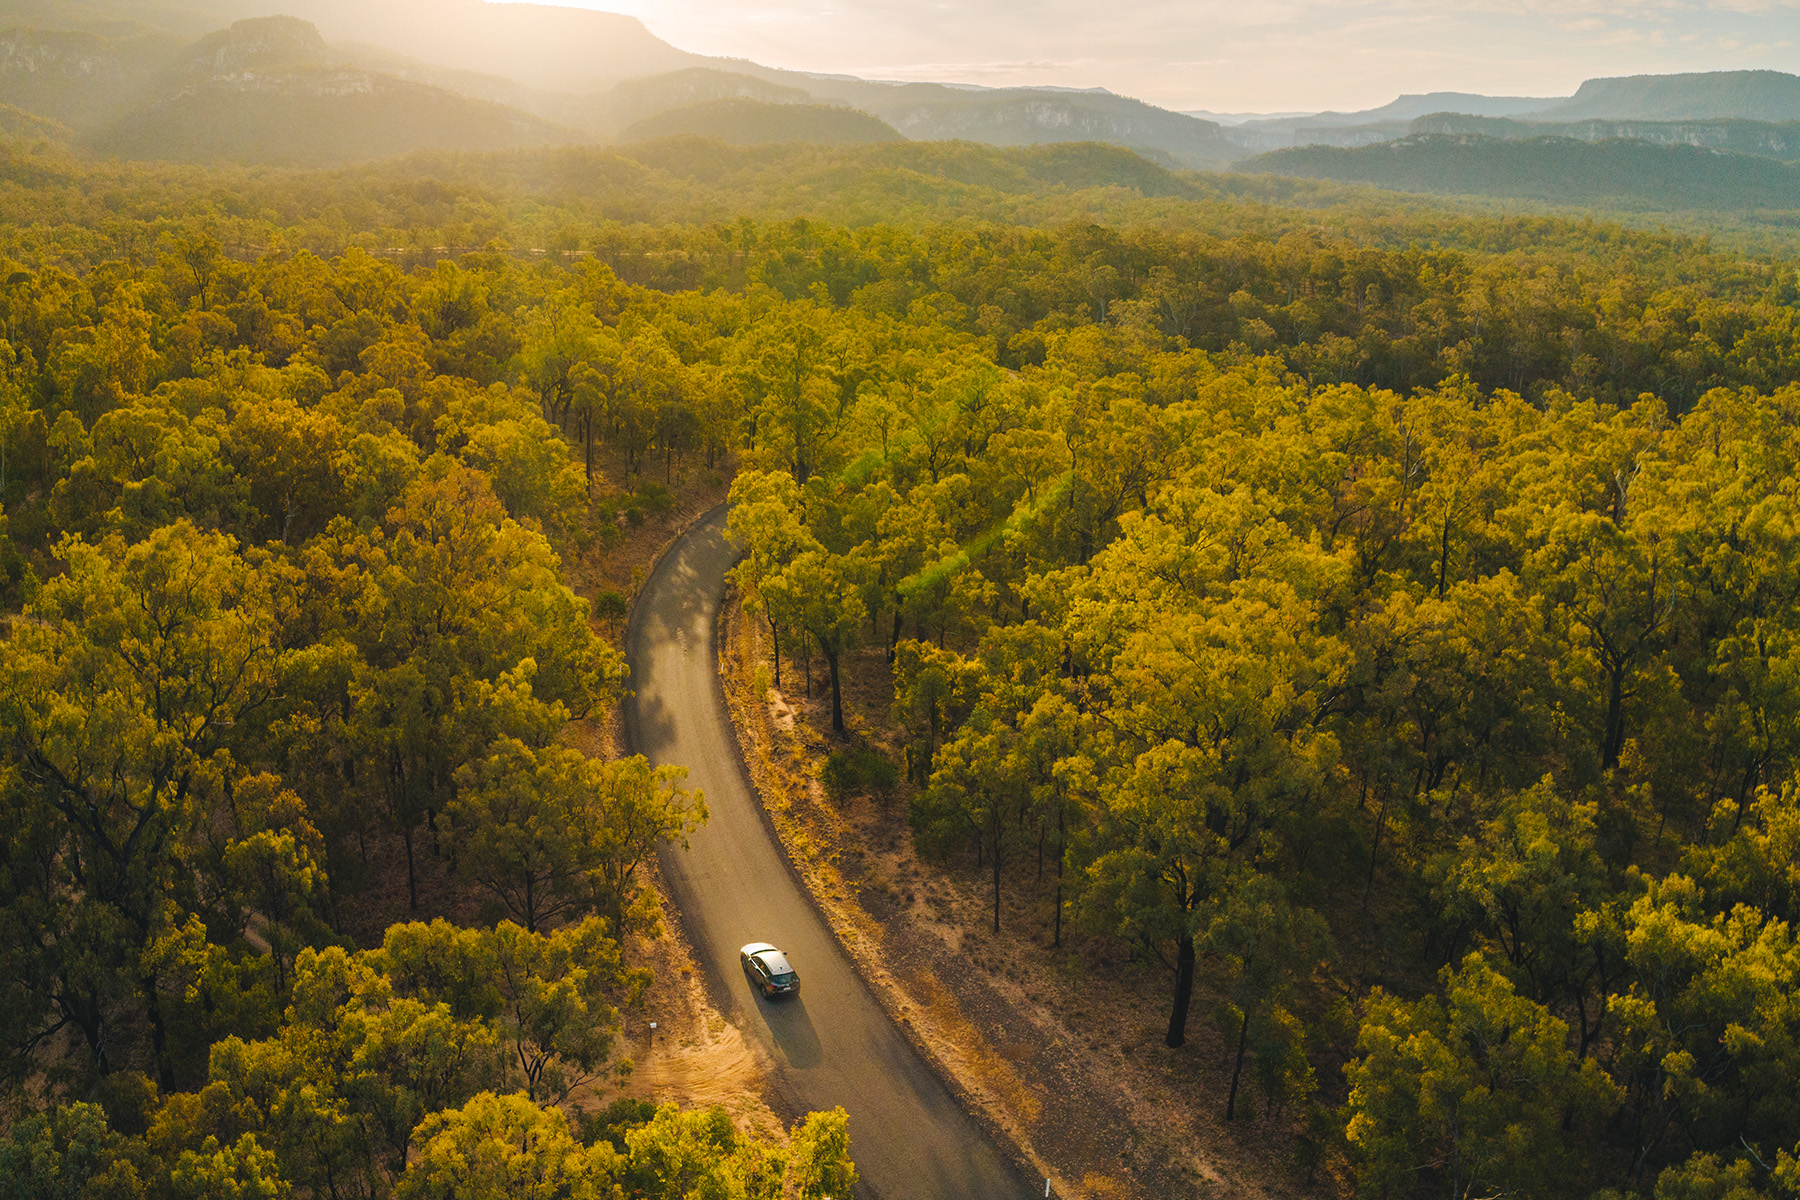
[1018, 116]
[1389, 121]
[1614, 173]
[1765, 139]
[1745, 95]
[77, 78]
[264, 90]
[636, 98]
[262, 43]
[739, 121]
[308, 116]
[1023, 117]
[1406, 107]
[540, 46]
[334, 80]
[1639, 106]
[582, 70]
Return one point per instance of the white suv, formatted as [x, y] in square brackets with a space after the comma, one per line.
[768, 970]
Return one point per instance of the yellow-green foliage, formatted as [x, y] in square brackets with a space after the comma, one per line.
[1331, 596]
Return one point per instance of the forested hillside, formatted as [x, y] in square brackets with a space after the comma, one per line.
[404, 75]
[1379, 627]
[741, 121]
[267, 90]
[1700, 95]
[1612, 173]
[1767, 139]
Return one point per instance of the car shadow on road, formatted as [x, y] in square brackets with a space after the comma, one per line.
[792, 1026]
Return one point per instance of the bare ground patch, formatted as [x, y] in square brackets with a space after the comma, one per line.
[694, 1056]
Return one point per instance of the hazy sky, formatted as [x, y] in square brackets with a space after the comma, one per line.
[1230, 55]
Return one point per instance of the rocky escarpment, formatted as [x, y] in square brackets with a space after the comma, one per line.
[1019, 117]
[1766, 139]
[32, 52]
[313, 115]
[264, 43]
[76, 78]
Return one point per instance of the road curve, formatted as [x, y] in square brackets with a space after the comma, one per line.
[833, 1044]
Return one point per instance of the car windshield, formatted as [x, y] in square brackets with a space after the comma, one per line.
[784, 980]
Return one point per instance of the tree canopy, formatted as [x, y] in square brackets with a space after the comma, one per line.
[1384, 619]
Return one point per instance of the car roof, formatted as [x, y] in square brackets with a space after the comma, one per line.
[775, 960]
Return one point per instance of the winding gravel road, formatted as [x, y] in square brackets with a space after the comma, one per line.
[833, 1044]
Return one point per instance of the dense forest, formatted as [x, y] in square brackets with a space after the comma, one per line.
[1551, 165]
[1384, 617]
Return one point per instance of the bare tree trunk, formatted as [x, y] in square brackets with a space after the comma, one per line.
[412, 879]
[1615, 718]
[159, 1036]
[1374, 850]
[1184, 991]
[837, 695]
[1237, 1068]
